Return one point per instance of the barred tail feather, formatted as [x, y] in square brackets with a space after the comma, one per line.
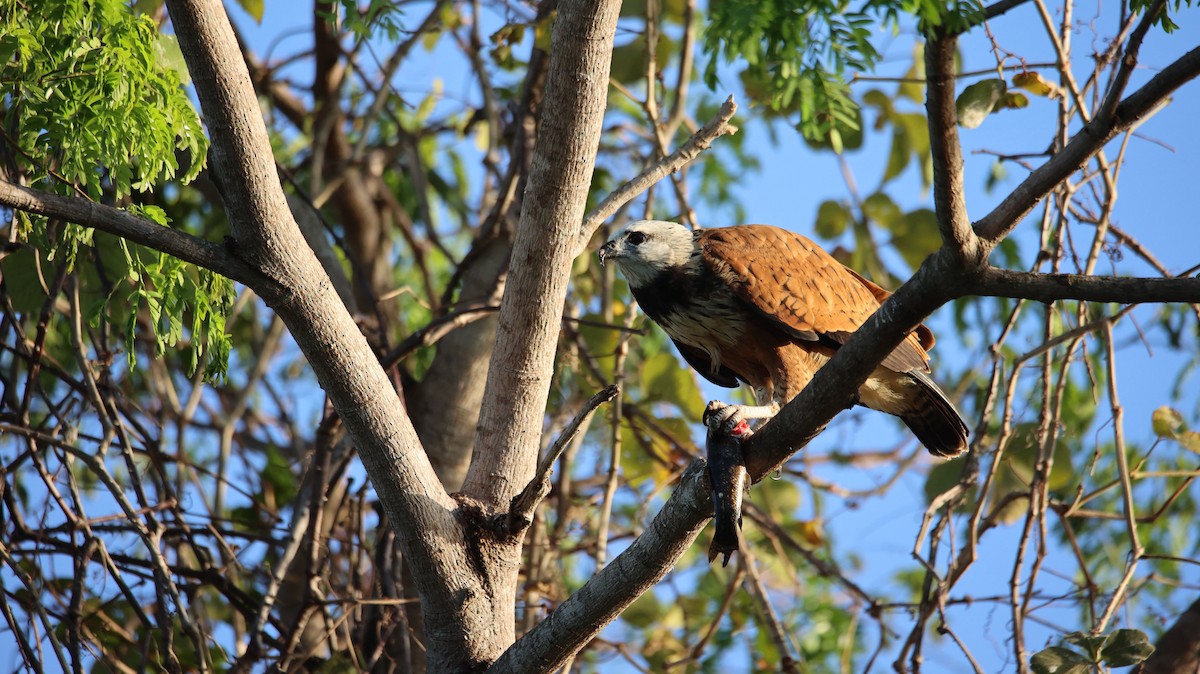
[932, 418]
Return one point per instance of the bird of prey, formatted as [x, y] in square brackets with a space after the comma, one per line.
[764, 306]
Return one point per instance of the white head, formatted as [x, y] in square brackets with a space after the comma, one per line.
[646, 248]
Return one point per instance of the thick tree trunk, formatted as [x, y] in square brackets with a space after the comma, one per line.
[510, 423]
[445, 405]
[468, 616]
[1178, 649]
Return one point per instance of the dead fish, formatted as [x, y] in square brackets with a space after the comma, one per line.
[727, 473]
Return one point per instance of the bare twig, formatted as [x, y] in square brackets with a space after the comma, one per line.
[520, 512]
[700, 141]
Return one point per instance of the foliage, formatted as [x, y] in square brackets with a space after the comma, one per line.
[95, 95]
[1122, 648]
[89, 85]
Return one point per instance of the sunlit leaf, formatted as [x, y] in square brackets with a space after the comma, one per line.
[665, 378]
[1190, 440]
[977, 101]
[1166, 422]
[254, 8]
[1035, 84]
[812, 532]
[1059, 660]
[912, 87]
[1126, 647]
[832, 219]
[1013, 99]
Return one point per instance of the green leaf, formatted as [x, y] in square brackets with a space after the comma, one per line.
[1090, 643]
[899, 153]
[172, 57]
[977, 101]
[629, 60]
[996, 175]
[1166, 422]
[667, 380]
[280, 475]
[1190, 440]
[918, 236]
[1035, 84]
[254, 8]
[1021, 457]
[23, 275]
[1126, 647]
[1014, 100]
[832, 219]
[1059, 660]
[942, 478]
[912, 87]
[880, 209]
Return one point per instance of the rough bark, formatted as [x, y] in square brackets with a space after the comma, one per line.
[1178, 649]
[510, 423]
[445, 406]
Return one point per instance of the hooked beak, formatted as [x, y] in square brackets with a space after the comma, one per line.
[607, 251]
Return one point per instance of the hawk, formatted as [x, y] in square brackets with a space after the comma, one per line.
[768, 307]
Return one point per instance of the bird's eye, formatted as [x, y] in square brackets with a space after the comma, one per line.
[636, 238]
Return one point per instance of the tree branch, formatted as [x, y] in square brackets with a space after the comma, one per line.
[996, 282]
[520, 512]
[699, 142]
[630, 574]
[510, 422]
[424, 517]
[999, 8]
[949, 197]
[137, 229]
[1129, 59]
[996, 225]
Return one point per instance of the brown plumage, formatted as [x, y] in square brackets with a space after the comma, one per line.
[768, 307]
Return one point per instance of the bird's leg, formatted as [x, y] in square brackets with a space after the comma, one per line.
[733, 418]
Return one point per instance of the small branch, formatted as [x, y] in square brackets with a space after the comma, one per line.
[998, 8]
[996, 282]
[1089, 140]
[438, 328]
[520, 511]
[1135, 545]
[949, 196]
[126, 225]
[639, 567]
[700, 141]
[779, 635]
[1129, 60]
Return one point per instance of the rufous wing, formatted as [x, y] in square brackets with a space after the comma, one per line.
[801, 289]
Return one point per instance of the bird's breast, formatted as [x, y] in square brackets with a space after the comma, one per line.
[707, 323]
[694, 308]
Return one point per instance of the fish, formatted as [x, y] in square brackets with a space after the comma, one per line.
[729, 479]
